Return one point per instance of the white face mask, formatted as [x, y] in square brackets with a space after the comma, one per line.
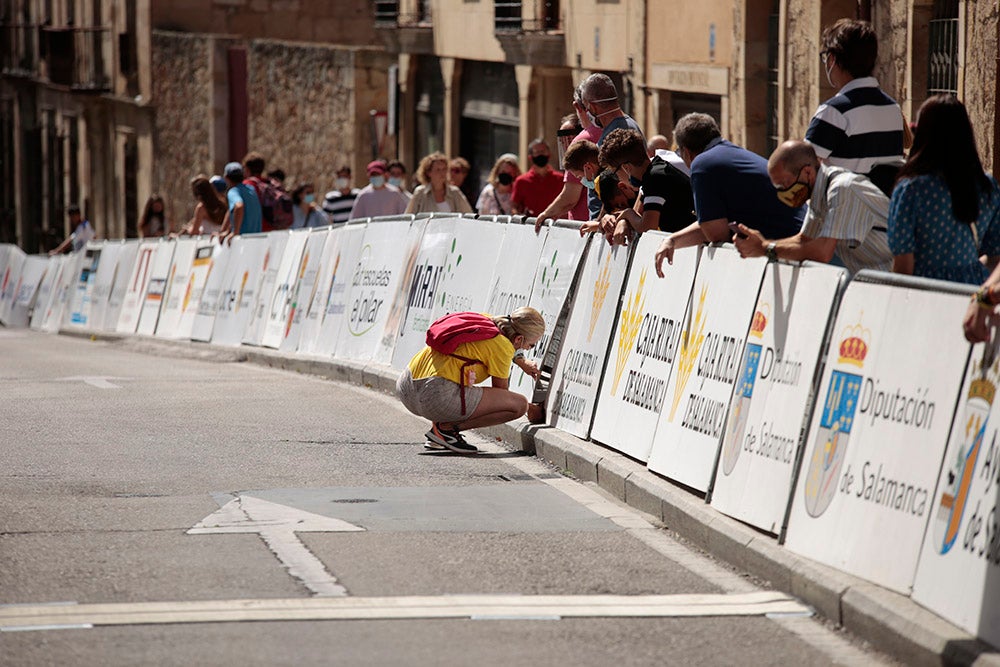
[376, 181]
[396, 181]
[341, 183]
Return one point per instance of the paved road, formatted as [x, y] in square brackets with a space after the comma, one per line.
[131, 475]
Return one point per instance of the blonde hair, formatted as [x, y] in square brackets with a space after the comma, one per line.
[424, 169]
[501, 161]
[524, 321]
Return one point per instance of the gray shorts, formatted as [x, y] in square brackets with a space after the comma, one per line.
[436, 399]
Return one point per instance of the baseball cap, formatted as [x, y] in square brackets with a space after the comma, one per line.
[376, 167]
[233, 169]
[218, 182]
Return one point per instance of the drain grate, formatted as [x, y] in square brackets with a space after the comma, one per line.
[354, 501]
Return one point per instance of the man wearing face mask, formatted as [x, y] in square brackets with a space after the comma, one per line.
[337, 203]
[730, 185]
[572, 200]
[378, 197]
[847, 213]
[667, 200]
[600, 102]
[860, 128]
[538, 187]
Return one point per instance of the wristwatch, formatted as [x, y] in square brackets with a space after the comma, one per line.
[772, 251]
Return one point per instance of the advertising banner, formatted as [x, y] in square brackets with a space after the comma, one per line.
[282, 301]
[576, 377]
[561, 253]
[83, 286]
[194, 286]
[328, 273]
[879, 431]
[650, 335]
[440, 253]
[128, 255]
[397, 310]
[135, 288]
[156, 288]
[32, 274]
[958, 575]
[104, 280]
[694, 417]
[10, 270]
[208, 305]
[47, 291]
[307, 287]
[50, 319]
[178, 289]
[267, 283]
[754, 476]
[373, 282]
[340, 274]
[239, 290]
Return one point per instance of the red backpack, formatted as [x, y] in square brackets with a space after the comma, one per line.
[450, 331]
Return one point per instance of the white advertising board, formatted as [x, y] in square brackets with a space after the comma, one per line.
[215, 282]
[13, 262]
[307, 288]
[339, 273]
[690, 429]
[766, 415]
[282, 302]
[202, 265]
[319, 299]
[47, 291]
[239, 291]
[562, 251]
[178, 288]
[267, 283]
[650, 334]
[576, 377]
[879, 432]
[127, 257]
[104, 280]
[32, 274]
[81, 296]
[156, 287]
[135, 288]
[397, 309]
[45, 316]
[373, 282]
[437, 246]
[59, 308]
[958, 575]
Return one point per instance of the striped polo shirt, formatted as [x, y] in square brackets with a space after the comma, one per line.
[338, 206]
[858, 128]
[849, 208]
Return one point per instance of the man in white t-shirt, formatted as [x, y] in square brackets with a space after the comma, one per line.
[82, 232]
[378, 197]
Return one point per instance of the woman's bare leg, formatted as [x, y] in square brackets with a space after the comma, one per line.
[497, 406]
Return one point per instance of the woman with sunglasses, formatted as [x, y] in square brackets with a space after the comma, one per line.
[436, 194]
[442, 387]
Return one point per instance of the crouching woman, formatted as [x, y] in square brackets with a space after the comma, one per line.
[432, 385]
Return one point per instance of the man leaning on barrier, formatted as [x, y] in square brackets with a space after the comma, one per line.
[980, 316]
[847, 213]
[730, 184]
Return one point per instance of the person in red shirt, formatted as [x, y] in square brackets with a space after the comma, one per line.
[535, 189]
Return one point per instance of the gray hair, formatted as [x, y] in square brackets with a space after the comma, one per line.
[694, 131]
[598, 87]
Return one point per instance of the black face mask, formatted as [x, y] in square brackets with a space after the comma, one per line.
[503, 178]
[540, 160]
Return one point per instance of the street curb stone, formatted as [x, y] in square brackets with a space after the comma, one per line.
[891, 622]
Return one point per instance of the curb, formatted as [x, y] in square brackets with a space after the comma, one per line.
[890, 622]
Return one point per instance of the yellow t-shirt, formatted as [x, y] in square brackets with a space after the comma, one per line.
[494, 355]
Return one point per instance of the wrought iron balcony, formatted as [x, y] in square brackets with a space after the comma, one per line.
[529, 32]
[75, 57]
[509, 16]
[405, 31]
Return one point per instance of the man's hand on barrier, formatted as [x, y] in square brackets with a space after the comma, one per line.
[622, 234]
[977, 322]
[749, 242]
[590, 227]
[664, 252]
[539, 221]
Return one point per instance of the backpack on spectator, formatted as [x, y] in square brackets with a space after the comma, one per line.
[275, 204]
[448, 332]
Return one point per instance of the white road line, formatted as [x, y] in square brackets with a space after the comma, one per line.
[99, 381]
[507, 607]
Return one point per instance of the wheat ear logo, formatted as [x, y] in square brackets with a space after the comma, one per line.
[631, 319]
[601, 286]
[691, 342]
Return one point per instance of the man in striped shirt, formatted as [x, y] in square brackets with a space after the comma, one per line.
[847, 213]
[860, 128]
[337, 203]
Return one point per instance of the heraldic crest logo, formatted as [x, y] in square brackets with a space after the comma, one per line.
[733, 443]
[836, 419]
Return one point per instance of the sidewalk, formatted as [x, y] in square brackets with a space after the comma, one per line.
[891, 622]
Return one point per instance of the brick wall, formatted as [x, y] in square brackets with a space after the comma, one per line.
[182, 98]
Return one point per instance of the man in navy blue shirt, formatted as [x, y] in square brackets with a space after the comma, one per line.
[730, 184]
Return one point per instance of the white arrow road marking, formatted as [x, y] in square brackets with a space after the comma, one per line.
[99, 381]
[277, 525]
[519, 607]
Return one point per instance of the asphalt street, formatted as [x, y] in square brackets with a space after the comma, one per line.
[132, 473]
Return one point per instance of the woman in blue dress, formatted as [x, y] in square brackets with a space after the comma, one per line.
[944, 211]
